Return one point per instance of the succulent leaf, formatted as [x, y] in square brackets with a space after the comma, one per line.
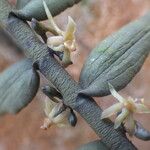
[18, 86]
[22, 3]
[117, 59]
[34, 9]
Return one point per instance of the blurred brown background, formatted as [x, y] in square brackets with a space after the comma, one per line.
[95, 19]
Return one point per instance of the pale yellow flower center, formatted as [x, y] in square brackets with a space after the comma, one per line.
[130, 106]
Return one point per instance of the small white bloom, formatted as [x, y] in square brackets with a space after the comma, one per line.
[51, 108]
[126, 108]
[63, 41]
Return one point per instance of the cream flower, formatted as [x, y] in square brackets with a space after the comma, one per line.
[126, 108]
[63, 41]
[51, 108]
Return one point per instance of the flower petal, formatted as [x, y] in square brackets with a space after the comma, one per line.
[53, 111]
[52, 24]
[116, 94]
[111, 110]
[63, 125]
[49, 105]
[66, 58]
[141, 108]
[71, 45]
[70, 30]
[62, 119]
[47, 124]
[121, 117]
[60, 48]
[55, 41]
[130, 124]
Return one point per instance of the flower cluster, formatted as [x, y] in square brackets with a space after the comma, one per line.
[60, 120]
[125, 109]
[63, 41]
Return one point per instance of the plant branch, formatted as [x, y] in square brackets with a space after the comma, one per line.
[55, 73]
[5, 8]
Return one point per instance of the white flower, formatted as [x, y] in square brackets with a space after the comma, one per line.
[51, 108]
[63, 41]
[126, 108]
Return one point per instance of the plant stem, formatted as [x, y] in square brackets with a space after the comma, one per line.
[56, 74]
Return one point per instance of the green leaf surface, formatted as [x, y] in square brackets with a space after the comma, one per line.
[18, 86]
[22, 3]
[96, 145]
[117, 59]
[35, 9]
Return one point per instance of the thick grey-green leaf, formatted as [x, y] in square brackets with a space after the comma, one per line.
[96, 145]
[117, 59]
[22, 3]
[18, 86]
[35, 9]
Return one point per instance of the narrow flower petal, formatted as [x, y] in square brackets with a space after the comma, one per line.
[62, 119]
[60, 48]
[48, 106]
[50, 19]
[66, 58]
[70, 30]
[63, 125]
[130, 124]
[71, 45]
[111, 110]
[131, 101]
[54, 110]
[121, 117]
[47, 124]
[141, 108]
[55, 41]
[116, 94]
